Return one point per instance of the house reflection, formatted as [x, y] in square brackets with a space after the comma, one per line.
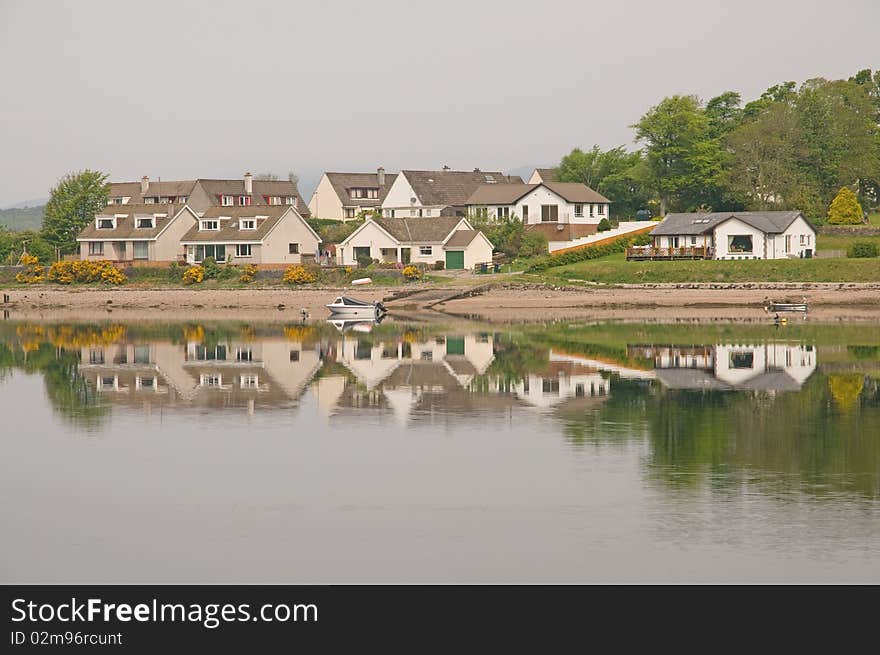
[770, 367]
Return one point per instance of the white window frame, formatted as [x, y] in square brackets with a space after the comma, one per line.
[578, 210]
[249, 381]
[96, 248]
[289, 200]
[601, 210]
[274, 200]
[293, 249]
[211, 380]
[244, 201]
[103, 219]
[203, 225]
[227, 201]
[151, 223]
[426, 251]
[248, 224]
[243, 250]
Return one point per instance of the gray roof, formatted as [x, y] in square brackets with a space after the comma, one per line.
[342, 183]
[453, 188]
[699, 379]
[418, 230]
[230, 221]
[574, 192]
[126, 221]
[772, 222]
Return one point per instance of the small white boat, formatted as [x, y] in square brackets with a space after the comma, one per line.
[354, 324]
[351, 308]
[786, 307]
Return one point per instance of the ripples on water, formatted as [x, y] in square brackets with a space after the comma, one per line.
[258, 452]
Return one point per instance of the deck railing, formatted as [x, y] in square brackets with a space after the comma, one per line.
[650, 252]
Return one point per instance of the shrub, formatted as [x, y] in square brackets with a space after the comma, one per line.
[83, 271]
[175, 272]
[532, 244]
[194, 275]
[298, 275]
[411, 272]
[228, 272]
[248, 273]
[604, 225]
[862, 249]
[212, 268]
[364, 261]
[33, 273]
[845, 208]
[439, 265]
[586, 253]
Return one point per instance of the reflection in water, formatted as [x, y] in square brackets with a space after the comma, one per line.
[724, 411]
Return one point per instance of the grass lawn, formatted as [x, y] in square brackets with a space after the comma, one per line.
[841, 242]
[874, 219]
[616, 270]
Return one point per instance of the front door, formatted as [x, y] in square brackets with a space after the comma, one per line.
[405, 257]
[455, 259]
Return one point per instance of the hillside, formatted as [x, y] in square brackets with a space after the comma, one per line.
[22, 218]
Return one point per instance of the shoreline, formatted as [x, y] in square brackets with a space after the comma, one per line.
[493, 300]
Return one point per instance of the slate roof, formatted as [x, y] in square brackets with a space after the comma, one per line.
[547, 174]
[506, 194]
[126, 221]
[230, 218]
[461, 238]
[773, 222]
[452, 188]
[691, 378]
[418, 230]
[342, 183]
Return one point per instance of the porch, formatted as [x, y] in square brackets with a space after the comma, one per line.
[640, 253]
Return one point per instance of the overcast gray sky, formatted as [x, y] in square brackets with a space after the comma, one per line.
[185, 89]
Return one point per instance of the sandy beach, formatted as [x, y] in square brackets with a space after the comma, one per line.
[500, 303]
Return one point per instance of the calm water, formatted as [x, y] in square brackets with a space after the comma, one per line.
[422, 452]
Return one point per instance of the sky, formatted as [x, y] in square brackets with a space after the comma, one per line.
[186, 89]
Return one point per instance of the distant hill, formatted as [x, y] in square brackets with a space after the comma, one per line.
[22, 218]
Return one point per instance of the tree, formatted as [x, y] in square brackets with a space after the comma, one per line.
[293, 178]
[613, 173]
[845, 208]
[681, 159]
[73, 203]
[723, 113]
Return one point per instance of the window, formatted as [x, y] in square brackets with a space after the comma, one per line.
[742, 359]
[211, 380]
[601, 210]
[292, 248]
[803, 239]
[96, 356]
[248, 224]
[244, 355]
[149, 201]
[480, 212]
[549, 385]
[107, 382]
[693, 241]
[412, 212]
[210, 225]
[365, 193]
[579, 211]
[116, 201]
[426, 251]
[524, 210]
[739, 243]
[106, 223]
[427, 356]
[787, 243]
[294, 355]
[502, 212]
[244, 201]
[242, 250]
[145, 383]
[274, 200]
[218, 252]
[142, 354]
[592, 210]
[290, 200]
[181, 199]
[349, 212]
[203, 354]
[96, 247]
[227, 201]
[549, 213]
[146, 223]
[249, 381]
[141, 250]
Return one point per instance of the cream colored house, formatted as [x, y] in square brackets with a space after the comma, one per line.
[739, 235]
[448, 239]
[251, 235]
[132, 233]
[343, 196]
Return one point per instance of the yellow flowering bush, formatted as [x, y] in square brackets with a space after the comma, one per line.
[298, 275]
[248, 273]
[83, 271]
[299, 332]
[33, 273]
[411, 272]
[29, 260]
[194, 275]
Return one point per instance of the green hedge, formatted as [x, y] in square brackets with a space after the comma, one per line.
[862, 249]
[587, 253]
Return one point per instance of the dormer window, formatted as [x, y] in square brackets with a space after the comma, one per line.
[212, 224]
[359, 193]
[181, 199]
[227, 201]
[244, 201]
[289, 200]
[274, 200]
[248, 224]
[106, 223]
[149, 201]
[146, 222]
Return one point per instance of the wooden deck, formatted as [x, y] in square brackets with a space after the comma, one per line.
[650, 252]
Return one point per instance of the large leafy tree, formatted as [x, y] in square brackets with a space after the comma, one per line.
[613, 173]
[73, 202]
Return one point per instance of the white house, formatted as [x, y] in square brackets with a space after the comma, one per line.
[562, 211]
[344, 195]
[739, 235]
[448, 239]
[251, 235]
[419, 194]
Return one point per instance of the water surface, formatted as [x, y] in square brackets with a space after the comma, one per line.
[439, 452]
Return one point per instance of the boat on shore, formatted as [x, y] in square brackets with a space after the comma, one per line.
[345, 306]
[786, 307]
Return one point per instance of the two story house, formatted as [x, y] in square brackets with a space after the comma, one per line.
[342, 196]
[421, 194]
[136, 232]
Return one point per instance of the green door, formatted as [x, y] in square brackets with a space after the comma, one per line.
[455, 259]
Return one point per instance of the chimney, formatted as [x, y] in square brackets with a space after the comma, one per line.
[476, 170]
[380, 173]
[145, 184]
[248, 183]
[445, 167]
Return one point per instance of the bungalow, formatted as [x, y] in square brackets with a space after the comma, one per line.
[125, 233]
[201, 194]
[344, 195]
[448, 239]
[561, 211]
[416, 194]
[251, 235]
[733, 235]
